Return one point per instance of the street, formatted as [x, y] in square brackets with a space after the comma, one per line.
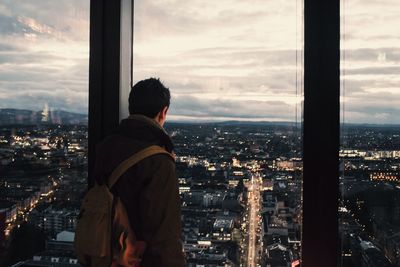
[253, 222]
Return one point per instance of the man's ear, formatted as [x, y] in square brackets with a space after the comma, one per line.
[163, 114]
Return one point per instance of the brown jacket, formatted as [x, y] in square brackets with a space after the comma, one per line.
[149, 190]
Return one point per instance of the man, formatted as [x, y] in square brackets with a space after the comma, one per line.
[148, 190]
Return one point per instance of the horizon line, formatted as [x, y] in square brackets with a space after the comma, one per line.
[208, 120]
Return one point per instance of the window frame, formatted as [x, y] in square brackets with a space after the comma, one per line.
[321, 135]
[104, 74]
[320, 240]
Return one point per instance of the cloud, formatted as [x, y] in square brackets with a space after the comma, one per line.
[179, 17]
[383, 70]
[44, 54]
[225, 59]
[11, 25]
[63, 20]
[373, 107]
[246, 51]
[27, 57]
[226, 108]
[5, 47]
[221, 59]
[29, 80]
[55, 99]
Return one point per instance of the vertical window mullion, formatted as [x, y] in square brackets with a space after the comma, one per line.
[104, 72]
[321, 132]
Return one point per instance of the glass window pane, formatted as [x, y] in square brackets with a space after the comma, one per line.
[234, 69]
[370, 178]
[44, 51]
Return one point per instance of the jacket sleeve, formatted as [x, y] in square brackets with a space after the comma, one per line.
[160, 214]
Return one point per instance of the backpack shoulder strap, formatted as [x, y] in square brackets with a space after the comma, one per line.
[134, 159]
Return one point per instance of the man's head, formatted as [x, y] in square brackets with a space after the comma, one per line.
[150, 98]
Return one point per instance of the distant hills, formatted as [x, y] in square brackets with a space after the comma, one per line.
[370, 125]
[266, 123]
[239, 123]
[282, 123]
[10, 116]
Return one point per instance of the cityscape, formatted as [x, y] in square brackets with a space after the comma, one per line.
[240, 179]
[239, 182]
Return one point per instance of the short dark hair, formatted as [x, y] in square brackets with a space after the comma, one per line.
[148, 97]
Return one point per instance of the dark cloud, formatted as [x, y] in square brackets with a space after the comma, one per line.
[388, 54]
[382, 70]
[373, 107]
[372, 99]
[379, 37]
[55, 99]
[226, 108]
[11, 26]
[225, 69]
[248, 56]
[31, 81]
[7, 48]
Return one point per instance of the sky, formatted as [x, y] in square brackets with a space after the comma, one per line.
[222, 60]
[44, 54]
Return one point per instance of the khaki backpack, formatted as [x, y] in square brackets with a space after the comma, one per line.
[103, 236]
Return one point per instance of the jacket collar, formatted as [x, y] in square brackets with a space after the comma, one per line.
[147, 120]
[145, 129]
